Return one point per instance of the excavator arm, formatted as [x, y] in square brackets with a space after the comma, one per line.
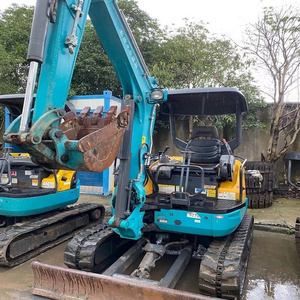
[59, 139]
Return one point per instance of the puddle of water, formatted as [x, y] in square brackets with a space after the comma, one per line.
[274, 268]
[271, 290]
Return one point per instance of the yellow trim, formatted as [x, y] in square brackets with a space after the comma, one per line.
[62, 185]
[229, 187]
[19, 154]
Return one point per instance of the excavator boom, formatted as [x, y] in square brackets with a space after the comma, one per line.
[56, 34]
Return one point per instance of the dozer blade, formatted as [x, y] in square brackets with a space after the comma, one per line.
[61, 283]
[99, 139]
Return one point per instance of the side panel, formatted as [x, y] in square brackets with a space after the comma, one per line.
[231, 189]
[20, 207]
[199, 223]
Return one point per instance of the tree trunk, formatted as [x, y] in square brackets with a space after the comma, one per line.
[274, 131]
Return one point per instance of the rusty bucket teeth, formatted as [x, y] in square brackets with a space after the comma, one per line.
[99, 138]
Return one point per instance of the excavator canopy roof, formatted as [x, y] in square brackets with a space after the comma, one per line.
[205, 101]
[13, 102]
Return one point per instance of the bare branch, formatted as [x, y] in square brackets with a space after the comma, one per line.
[275, 40]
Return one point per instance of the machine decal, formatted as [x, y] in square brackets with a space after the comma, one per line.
[28, 172]
[48, 185]
[35, 182]
[193, 215]
[4, 179]
[162, 221]
[227, 196]
[166, 188]
[209, 191]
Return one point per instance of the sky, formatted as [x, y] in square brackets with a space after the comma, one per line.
[224, 17]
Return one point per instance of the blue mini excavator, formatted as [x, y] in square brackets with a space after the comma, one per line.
[191, 207]
[33, 200]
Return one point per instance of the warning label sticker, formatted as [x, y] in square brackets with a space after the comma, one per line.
[34, 182]
[48, 185]
[226, 196]
[165, 188]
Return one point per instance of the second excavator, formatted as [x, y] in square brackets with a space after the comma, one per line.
[34, 201]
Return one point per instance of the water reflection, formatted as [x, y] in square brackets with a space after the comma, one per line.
[274, 268]
[270, 290]
[273, 272]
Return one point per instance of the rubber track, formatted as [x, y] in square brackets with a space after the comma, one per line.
[223, 268]
[80, 251]
[10, 233]
[94, 249]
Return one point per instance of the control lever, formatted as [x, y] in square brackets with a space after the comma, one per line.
[227, 147]
[229, 166]
[162, 157]
[165, 150]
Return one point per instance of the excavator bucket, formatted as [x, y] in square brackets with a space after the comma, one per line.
[99, 139]
[61, 283]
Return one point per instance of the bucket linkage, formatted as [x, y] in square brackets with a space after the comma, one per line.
[82, 143]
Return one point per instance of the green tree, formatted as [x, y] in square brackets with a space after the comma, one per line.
[185, 57]
[15, 26]
[93, 71]
[191, 57]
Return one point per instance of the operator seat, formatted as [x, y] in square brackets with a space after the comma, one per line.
[205, 144]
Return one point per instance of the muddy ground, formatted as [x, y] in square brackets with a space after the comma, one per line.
[274, 266]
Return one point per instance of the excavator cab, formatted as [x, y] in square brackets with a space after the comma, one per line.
[208, 178]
